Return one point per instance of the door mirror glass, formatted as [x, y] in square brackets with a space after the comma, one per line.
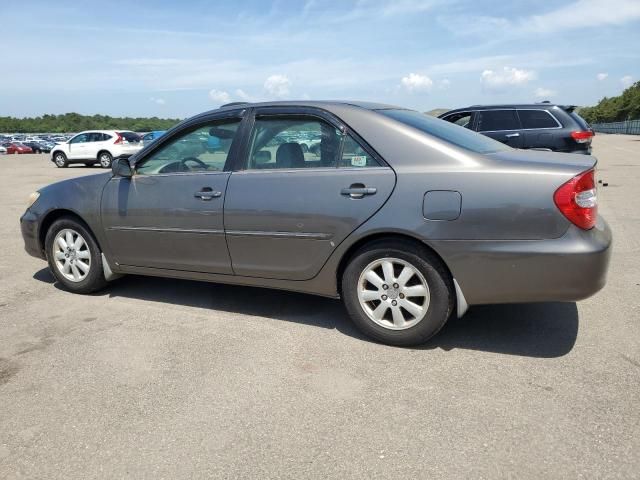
[121, 168]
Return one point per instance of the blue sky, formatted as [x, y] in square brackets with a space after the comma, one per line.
[175, 59]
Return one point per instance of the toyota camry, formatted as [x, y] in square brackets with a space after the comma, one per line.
[408, 218]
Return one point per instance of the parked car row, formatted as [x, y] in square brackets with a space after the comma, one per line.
[542, 126]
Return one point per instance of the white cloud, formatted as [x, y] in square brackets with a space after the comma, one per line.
[415, 82]
[219, 96]
[544, 92]
[602, 76]
[626, 81]
[584, 13]
[277, 85]
[242, 95]
[159, 101]
[506, 78]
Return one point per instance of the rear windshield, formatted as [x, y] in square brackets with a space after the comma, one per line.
[579, 120]
[449, 132]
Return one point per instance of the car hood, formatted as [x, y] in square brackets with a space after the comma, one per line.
[89, 185]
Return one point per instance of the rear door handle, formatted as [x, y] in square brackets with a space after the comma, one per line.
[358, 192]
[207, 193]
[512, 135]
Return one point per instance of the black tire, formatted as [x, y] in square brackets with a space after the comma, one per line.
[60, 159]
[105, 159]
[438, 279]
[94, 279]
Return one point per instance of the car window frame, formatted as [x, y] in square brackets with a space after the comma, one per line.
[242, 162]
[559, 125]
[189, 126]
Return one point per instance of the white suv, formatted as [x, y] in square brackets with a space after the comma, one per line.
[96, 146]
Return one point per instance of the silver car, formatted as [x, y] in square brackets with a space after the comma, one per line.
[408, 218]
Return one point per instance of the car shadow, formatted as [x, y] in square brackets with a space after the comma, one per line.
[543, 330]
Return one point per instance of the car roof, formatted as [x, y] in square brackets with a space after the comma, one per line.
[536, 106]
[325, 104]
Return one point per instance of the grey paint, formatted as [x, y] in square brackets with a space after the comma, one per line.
[292, 229]
[441, 205]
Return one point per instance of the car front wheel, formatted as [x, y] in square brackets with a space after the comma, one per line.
[74, 256]
[397, 293]
[60, 159]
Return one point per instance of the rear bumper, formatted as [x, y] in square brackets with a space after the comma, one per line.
[569, 268]
[29, 227]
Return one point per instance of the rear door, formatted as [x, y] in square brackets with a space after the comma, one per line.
[288, 207]
[540, 129]
[502, 125]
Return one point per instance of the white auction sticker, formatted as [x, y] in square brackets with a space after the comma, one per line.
[359, 161]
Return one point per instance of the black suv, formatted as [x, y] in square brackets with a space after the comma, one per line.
[539, 125]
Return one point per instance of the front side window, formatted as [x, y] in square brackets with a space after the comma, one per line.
[82, 138]
[204, 149]
[462, 118]
[495, 120]
[537, 119]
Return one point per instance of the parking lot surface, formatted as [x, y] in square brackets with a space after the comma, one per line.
[156, 378]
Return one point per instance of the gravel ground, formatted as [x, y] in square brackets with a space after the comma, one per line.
[157, 378]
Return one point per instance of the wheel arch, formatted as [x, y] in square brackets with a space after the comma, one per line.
[383, 237]
[101, 151]
[54, 215]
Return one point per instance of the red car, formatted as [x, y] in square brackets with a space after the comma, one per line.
[17, 148]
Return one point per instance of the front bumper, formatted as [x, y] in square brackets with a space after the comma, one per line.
[29, 226]
[569, 268]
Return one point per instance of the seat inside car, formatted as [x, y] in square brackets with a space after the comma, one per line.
[290, 155]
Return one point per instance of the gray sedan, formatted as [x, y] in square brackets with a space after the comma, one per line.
[408, 218]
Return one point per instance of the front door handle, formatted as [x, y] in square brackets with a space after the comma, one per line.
[358, 191]
[207, 193]
[512, 135]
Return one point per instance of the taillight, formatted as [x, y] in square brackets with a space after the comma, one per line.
[119, 139]
[582, 136]
[577, 200]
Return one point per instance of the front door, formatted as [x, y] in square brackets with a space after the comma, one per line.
[170, 213]
[306, 183]
[78, 146]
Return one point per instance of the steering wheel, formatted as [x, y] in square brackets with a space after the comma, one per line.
[195, 160]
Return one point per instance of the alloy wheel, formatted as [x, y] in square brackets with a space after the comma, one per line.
[71, 255]
[393, 293]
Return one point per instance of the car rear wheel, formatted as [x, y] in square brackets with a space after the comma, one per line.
[105, 159]
[74, 256]
[60, 159]
[397, 293]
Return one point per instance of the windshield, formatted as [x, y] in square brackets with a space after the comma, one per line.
[449, 132]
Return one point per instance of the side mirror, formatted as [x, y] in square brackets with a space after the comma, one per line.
[121, 168]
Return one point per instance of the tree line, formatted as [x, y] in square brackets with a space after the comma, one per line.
[74, 122]
[615, 109]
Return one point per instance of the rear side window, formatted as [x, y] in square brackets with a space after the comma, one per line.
[353, 155]
[449, 132]
[495, 120]
[537, 119]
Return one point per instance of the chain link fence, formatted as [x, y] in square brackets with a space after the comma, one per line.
[628, 127]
